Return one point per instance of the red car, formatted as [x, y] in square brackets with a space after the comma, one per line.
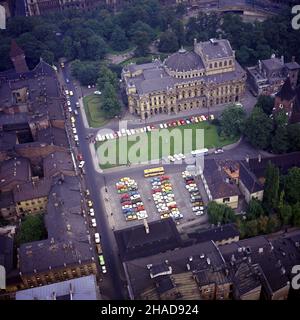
[79, 157]
[182, 121]
[125, 196]
[190, 181]
[156, 190]
[162, 178]
[140, 208]
[126, 203]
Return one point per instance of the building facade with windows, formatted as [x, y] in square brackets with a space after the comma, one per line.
[206, 77]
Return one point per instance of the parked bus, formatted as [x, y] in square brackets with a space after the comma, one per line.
[154, 172]
[196, 153]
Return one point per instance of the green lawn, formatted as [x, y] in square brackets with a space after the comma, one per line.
[163, 147]
[94, 114]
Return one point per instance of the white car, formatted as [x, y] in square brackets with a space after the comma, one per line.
[92, 212]
[181, 155]
[165, 125]
[67, 92]
[73, 125]
[93, 222]
[98, 92]
[177, 157]
[67, 80]
[220, 150]
[74, 130]
[103, 268]
[73, 119]
[68, 102]
[97, 237]
[132, 131]
[71, 93]
[76, 137]
[81, 164]
[161, 125]
[171, 158]
[76, 112]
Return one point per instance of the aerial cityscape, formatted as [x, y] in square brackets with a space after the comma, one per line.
[149, 150]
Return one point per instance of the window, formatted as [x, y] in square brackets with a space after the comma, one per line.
[225, 63]
[220, 64]
[216, 64]
[226, 200]
[210, 66]
[230, 62]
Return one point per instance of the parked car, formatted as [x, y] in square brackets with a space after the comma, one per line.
[220, 150]
[97, 237]
[101, 260]
[93, 223]
[91, 212]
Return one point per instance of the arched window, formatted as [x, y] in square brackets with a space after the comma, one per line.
[225, 63]
[230, 62]
[220, 64]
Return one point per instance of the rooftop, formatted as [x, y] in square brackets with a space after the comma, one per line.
[14, 171]
[32, 190]
[220, 185]
[184, 61]
[134, 242]
[203, 256]
[67, 242]
[84, 288]
[224, 232]
[216, 49]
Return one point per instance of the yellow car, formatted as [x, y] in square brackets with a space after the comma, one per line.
[90, 203]
[164, 216]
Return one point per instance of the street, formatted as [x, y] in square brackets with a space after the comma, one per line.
[94, 183]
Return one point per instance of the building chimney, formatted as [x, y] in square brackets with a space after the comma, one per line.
[195, 41]
[259, 158]
[282, 59]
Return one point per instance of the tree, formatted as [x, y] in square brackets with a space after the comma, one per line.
[271, 190]
[286, 214]
[294, 136]
[178, 29]
[168, 42]
[96, 48]
[258, 129]
[32, 229]
[110, 104]
[296, 214]
[255, 209]
[220, 213]
[85, 71]
[106, 76]
[265, 103]
[262, 224]
[273, 224]
[119, 41]
[142, 40]
[251, 228]
[292, 185]
[280, 142]
[233, 121]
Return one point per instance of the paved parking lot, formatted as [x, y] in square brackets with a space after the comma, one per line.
[182, 199]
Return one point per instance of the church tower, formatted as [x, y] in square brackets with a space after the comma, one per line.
[17, 57]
